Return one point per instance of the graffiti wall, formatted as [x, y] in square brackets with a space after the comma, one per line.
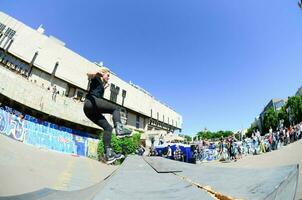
[32, 131]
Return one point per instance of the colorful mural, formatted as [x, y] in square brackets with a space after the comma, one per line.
[32, 131]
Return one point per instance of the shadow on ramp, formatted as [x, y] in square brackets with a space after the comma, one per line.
[51, 194]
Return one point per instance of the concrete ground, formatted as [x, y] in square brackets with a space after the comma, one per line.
[290, 154]
[25, 168]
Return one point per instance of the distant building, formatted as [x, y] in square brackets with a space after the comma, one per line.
[299, 92]
[275, 104]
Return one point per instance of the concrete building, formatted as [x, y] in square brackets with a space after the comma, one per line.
[276, 104]
[299, 92]
[32, 63]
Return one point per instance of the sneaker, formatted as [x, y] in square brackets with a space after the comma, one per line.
[118, 156]
[111, 156]
[121, 131]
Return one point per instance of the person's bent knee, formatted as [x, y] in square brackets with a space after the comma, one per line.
[108, 128]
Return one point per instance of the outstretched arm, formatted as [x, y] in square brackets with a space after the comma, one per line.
[92, 74]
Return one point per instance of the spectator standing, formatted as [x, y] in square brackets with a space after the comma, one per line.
[270, 130]
[169, 152]
[287, 138]
[270, 141]
[54, 93]
[177, 153]
[152, 141]
[161, 139]
[262, 146]
[300, 131]
[141, 150]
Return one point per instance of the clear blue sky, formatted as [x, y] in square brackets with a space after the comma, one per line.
[217, 63]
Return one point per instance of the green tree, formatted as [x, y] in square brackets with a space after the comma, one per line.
[294, 108]
[126, 145]
[213, 135]
[204, 135]
[283, 115]
[216, 135]
[227, 133]
[188, 138]
[270, 119]
[237, 136]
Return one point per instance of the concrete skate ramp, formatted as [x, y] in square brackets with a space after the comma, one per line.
[235, 183]
[138, 178]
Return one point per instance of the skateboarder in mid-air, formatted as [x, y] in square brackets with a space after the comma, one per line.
[95, 106]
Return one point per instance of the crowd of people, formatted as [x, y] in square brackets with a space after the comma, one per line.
[276, 138]
[232, 149]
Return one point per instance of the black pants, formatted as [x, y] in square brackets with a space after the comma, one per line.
[93, 109]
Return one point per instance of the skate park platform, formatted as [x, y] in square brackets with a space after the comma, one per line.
[159, 178]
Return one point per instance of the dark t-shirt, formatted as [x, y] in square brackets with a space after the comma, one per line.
[96, 87]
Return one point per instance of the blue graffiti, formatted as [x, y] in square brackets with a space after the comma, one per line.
[11, 125]
[51, 139]
[80, 144]
[3, 121]
[33, 131]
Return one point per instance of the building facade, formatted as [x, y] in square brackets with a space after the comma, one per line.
[276, 104]
[299, 92]
[32, 63]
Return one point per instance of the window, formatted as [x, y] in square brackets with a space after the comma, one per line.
[114, 90]
[279, 104]
[124, 92]
[2, 27]
[10, 33]
[80, 94]
[151, 113]
[157, 116]
[124, 115]
[137, 121]
[5, 59]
